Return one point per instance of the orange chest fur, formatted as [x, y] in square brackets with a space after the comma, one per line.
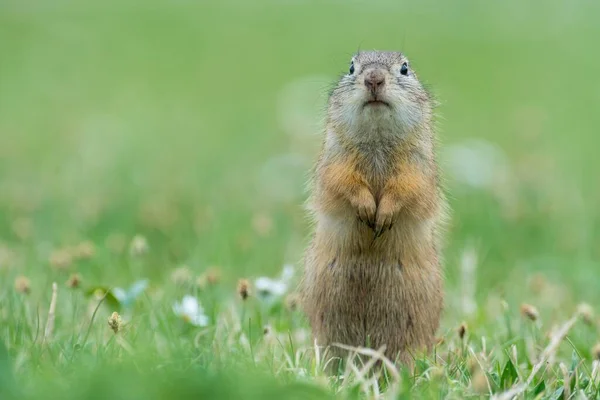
[382, 171]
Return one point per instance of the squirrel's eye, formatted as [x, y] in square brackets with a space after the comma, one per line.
[404, 69]
[351, 68]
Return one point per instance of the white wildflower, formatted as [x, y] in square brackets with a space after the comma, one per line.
[190, 310]
[119, 293]
[126, 297]
[266, 287]
[270, 289]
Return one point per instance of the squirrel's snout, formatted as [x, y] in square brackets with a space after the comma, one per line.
[374, 80]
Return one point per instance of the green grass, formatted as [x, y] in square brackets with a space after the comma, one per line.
[194, 125]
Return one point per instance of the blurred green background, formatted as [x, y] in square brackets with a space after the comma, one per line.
[196, 124]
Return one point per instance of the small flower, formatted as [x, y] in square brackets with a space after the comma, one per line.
[138, 246]
[119, 293]
[74, 281]
[114, 322]
[462, 330]
[586, 312]
[269, 288]
[190, 310]
[266, 330]
[84, 250]
[128, 297]
[596, 352]
[181, 275]
[213, 275]
[529, 312]
[22, 284]
[61, 259]
[243, 288]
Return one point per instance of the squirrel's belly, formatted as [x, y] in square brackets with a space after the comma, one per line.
[362, 301]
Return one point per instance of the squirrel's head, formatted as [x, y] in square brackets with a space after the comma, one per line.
[380, 94]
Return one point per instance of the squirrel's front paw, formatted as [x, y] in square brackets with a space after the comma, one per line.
[366, 208]
[385, 216]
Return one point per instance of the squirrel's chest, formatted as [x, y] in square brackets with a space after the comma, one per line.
[377, 164]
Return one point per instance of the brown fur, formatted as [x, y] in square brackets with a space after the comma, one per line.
[372, 274]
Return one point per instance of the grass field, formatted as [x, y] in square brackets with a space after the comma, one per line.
[153, 152]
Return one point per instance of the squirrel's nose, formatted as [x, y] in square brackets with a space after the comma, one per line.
[374, 80]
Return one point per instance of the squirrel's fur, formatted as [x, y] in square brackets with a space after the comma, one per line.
[372, 272]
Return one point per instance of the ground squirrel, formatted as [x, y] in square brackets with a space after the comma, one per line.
[372, 275]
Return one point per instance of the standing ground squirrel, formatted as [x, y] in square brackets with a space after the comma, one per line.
[373, 276]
